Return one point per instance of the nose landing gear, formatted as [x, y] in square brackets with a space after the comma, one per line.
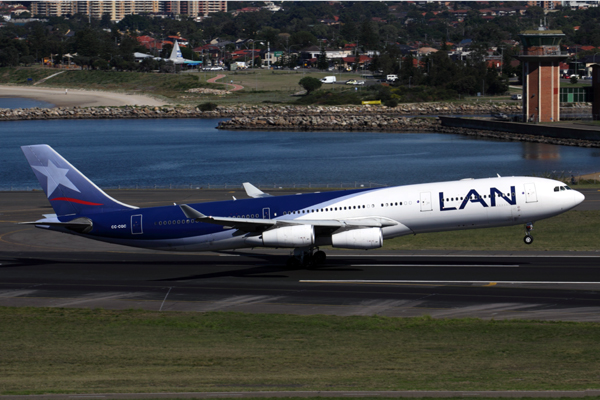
[528, 239]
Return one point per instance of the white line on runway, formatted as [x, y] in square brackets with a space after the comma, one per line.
[436, 282]
[438, 265]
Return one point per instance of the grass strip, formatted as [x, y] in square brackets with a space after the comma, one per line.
[320, 397]
[50, 350]
[571, 231]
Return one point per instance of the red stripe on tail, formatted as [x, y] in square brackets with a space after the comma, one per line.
[87, 203]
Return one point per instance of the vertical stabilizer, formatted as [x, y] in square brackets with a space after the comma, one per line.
[67, 189]
[176, 55]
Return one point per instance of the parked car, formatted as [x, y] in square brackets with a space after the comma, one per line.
[516, 97]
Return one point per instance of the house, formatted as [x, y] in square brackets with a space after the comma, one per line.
[425, 51]
[315, 51]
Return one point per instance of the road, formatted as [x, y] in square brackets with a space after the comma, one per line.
[40, 268]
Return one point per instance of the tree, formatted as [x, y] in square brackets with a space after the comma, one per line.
[310, 84]
[322, 62]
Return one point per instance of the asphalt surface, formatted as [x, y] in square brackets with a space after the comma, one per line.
[41, 268]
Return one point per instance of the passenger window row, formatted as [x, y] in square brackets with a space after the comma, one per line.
[176, 222]
[475, 197]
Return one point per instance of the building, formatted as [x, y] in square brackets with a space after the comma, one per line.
[193, 8]
[541, 57]
[546, 5]
[117, 10]
[596, 91]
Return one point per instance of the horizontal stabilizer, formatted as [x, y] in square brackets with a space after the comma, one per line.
[80, 225]
[253, 191]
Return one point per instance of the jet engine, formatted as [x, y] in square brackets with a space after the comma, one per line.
[287, 236]
[366, 238]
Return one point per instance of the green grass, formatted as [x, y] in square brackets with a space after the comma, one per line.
[571, 231]
[20, 75]
[87, 351]
[260, 85]
[321, 397]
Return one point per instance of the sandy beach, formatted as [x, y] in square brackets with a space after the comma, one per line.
[78, 97]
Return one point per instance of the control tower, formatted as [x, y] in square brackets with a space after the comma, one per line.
[540, 57]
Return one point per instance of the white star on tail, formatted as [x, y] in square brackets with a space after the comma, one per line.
[56, 176]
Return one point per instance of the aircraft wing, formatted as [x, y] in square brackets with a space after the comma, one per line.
[259, 225]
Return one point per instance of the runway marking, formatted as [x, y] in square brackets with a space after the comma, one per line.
[163, 303]
[437, 282]
[439, 265]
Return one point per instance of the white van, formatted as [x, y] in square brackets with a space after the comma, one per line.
[392, 78]
[328, 79]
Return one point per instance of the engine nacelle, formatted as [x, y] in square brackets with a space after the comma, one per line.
[366, 238]
[289, 236]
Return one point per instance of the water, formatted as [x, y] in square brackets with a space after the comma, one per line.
[18, 102]
[127, 153]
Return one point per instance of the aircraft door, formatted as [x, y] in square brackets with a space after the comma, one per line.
[136, 224]
[426, 201]
[266, 213]
[530, 194]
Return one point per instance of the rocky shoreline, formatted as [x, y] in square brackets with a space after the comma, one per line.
[404, 118]
[249, 111]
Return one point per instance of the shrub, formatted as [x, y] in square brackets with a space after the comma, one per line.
[208, 106]
[391, 103]
[310, 84]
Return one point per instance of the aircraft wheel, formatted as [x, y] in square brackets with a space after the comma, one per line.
[528, 239]
[319, 257]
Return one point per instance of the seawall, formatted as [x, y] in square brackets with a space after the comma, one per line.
[249, 111]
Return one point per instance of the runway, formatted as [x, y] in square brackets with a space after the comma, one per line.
[40, 268]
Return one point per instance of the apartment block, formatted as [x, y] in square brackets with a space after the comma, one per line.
[119, 9]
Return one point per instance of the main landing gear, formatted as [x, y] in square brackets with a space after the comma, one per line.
[310, 256]
[528, 239]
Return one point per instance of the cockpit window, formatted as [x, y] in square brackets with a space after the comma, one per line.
[568, 188]
[562, 188]
[556, 189]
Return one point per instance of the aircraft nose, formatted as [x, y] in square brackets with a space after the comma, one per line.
[578, 198]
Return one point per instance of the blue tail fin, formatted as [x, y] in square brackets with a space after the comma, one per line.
[67, 189]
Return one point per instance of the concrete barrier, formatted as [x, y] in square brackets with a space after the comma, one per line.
[559, 131]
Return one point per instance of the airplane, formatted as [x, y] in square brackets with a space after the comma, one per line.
[349, 219]
[176, 56]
